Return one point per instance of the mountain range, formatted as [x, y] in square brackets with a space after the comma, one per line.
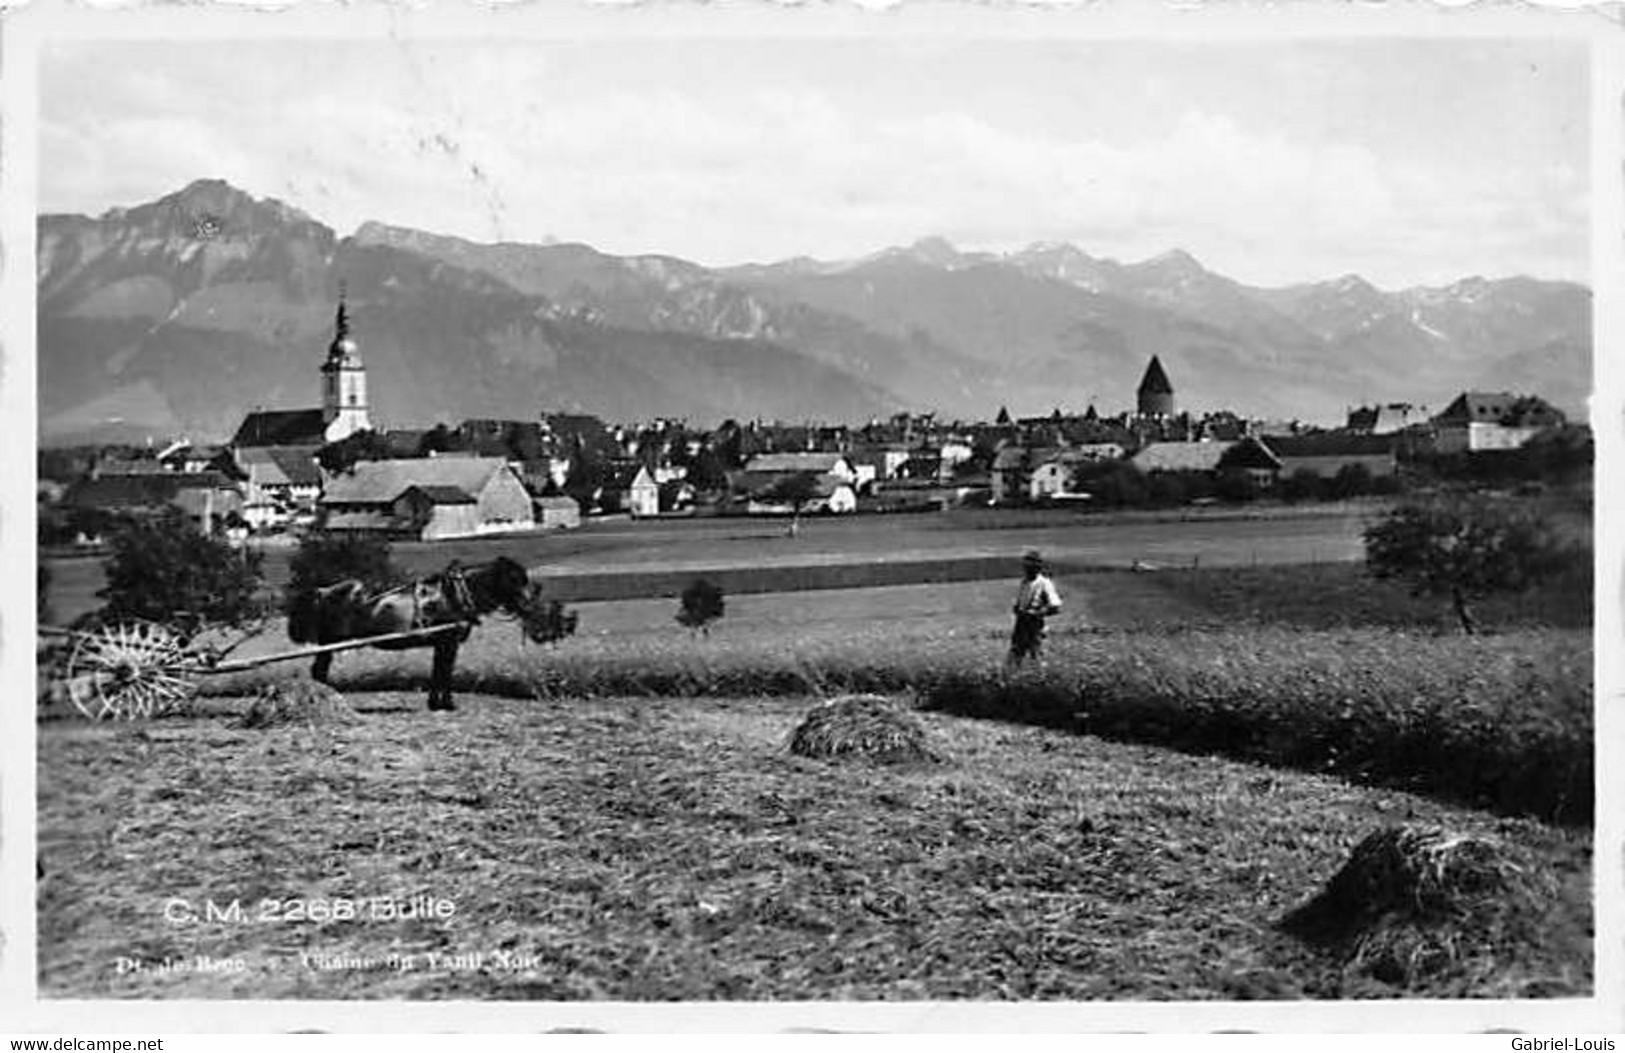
[180, 315]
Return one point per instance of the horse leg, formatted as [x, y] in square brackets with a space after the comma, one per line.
[445, 660]
[319, 668]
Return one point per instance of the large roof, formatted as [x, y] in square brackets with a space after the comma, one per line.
[1181, 456]
[380, 482]
[300, 427]
[1330, 444]
[1155, 381]
[141, 491]
[794, 462]
[281, 465]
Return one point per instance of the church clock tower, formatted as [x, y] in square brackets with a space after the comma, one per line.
[344, 383]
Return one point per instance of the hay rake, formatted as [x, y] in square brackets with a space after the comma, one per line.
[135, 670]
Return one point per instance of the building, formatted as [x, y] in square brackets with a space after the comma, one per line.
[1180, 456]
[428, 498]
[1327, 453]
[210, 500]
[1386, 419]
[1480, 420]
[344, 383]
[557, 513]
[1155, 396]
[344, 401]
[282, 484]
[834, 465]
[632, 489]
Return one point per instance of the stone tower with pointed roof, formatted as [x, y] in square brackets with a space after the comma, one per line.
[1156, 394]
[344, 383]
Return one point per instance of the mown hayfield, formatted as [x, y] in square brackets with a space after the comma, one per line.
[619, 817]
[674, 849]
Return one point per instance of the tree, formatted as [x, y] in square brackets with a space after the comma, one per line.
[163, 570]
[324, 559]
[797, 490]
[707, 472]
[1351, 480]
[701, 604]
[341, 456]
[1465, 548]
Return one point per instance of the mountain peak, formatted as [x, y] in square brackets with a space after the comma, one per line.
[1174, 259]
[935, 249]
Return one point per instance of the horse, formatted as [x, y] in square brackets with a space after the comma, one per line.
[457, 596]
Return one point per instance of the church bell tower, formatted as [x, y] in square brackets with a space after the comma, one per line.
[344, 382]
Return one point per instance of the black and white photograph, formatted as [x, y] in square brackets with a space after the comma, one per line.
[859, 507]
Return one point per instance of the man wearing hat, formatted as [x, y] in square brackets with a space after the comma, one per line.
[1036, 600]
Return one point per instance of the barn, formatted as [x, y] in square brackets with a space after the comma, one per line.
[428, 498]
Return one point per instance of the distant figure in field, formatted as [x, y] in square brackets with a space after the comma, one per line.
[1036, 600]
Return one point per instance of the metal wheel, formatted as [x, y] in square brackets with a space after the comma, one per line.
[130, 670]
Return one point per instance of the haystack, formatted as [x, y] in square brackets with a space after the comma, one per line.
[867, 726]
[1413, 901]
[301, 701]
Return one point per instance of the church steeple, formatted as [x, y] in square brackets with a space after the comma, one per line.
[344, 380]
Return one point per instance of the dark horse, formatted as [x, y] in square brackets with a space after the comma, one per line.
[457, 596]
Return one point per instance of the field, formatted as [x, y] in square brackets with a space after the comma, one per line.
[618, 817]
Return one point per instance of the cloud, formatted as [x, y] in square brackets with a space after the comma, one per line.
[723, 171]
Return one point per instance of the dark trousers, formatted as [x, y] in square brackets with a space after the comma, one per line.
[1027, 641]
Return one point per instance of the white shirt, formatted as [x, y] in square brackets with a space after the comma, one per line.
[1038, 596]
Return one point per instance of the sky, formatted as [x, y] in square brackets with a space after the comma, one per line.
[1406, 161]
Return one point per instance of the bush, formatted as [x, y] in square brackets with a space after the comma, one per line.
[701, 604]
[164, 570]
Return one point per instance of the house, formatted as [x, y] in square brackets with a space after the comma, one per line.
[373, 496]
[210, 499]
[632, 489]
[830, 495]
[1479, 420]
[1327, 453]
[185, 457]
[1386, 419]
[557, 513]
[878, 461]
[832, 464]
[282, 484]
[1253, 457]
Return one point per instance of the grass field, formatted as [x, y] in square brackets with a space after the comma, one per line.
[664, 849]
[617, 817]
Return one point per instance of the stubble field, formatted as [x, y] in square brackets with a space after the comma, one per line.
[619, 818]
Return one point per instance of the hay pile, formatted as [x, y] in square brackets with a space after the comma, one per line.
[866, 726]
[1414, 902]
[301, 701]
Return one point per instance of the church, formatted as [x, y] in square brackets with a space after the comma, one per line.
[275, 450]
[343, 411]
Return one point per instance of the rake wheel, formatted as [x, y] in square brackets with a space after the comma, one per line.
[130, 670]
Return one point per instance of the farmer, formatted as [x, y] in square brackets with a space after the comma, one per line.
[1036, 600]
